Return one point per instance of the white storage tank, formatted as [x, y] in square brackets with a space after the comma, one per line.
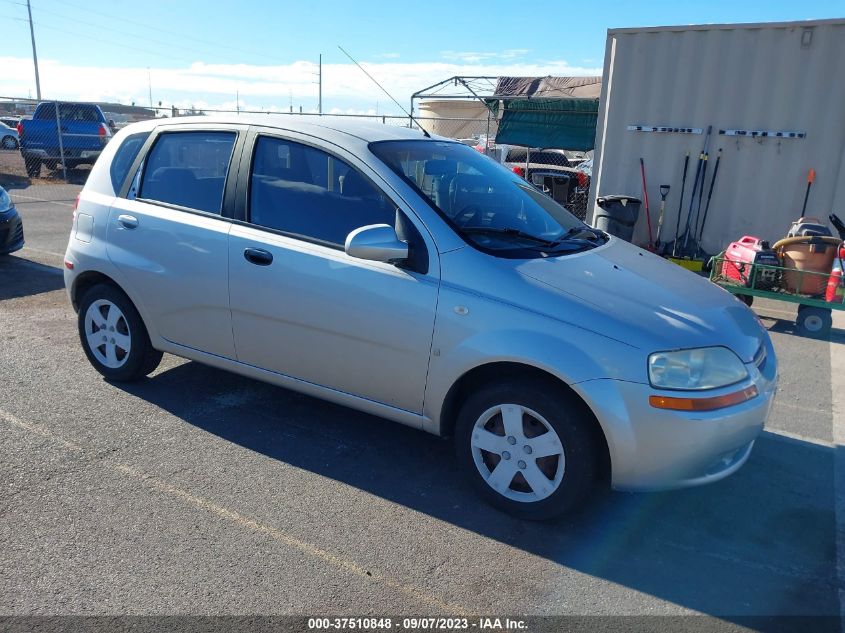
[456, 118]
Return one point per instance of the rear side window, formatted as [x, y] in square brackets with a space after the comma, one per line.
[123, 157]
[70, 112]
[306, 192]
[188, 169]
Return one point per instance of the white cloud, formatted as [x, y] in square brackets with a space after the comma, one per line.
[271, 88]
[470, 57]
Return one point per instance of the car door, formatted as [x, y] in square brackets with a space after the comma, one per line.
[301, 306]
[168, 237]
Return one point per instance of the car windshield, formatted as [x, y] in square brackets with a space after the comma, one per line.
[489, 206]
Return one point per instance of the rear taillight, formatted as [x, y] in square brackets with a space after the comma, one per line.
[102, 131]
[76, 205]
[583, 181]
[519, 171]
[20, 129]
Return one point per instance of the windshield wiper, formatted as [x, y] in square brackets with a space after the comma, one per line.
[577, 233]
[510, 231]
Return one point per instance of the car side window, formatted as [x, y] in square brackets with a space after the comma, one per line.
[124, 156]
[188, 169]
[306, 192]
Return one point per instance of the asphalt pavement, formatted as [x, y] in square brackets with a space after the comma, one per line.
[201, 492]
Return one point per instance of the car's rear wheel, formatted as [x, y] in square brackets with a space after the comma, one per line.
[10, 142]
[113, 335]
[527, 448]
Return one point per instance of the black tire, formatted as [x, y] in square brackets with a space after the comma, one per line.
[568, 417]
[33, 167]
[746, 299]
[10, 142]
[51, 164]
[142, 358]
[814, 322]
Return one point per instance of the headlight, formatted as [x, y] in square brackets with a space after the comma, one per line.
[703, 368]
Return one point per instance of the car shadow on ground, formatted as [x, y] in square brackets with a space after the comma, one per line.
[22, 277]
[784, 326]
[760, 542]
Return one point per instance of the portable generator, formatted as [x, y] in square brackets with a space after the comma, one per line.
[748, 254]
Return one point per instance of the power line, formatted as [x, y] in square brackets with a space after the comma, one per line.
[87, 23]
[104, 41]
[122, 44]
[157, 28]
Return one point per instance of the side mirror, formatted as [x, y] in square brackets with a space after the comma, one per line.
[376, 242]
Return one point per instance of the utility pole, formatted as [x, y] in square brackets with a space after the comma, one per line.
[237, 102]
[320, 81]
[150, 86]
[34, 54]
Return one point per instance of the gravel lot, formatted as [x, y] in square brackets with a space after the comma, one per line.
[201, 492]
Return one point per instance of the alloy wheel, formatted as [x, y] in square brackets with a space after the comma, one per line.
[107, 333]
[518, 453]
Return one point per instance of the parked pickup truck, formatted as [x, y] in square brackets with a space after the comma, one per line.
[78, 137]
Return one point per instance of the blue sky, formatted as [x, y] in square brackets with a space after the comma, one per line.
[203, 53]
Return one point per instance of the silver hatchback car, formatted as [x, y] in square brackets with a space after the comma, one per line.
[416, 279]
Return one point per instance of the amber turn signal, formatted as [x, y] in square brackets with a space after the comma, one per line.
[703, 404]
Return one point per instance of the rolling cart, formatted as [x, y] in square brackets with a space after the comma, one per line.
[749, 280]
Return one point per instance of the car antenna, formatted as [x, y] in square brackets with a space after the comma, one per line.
[409, 115]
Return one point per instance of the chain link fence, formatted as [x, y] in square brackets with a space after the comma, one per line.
[47, 148]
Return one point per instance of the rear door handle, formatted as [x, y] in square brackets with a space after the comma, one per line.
[128, 221]
[258, 256]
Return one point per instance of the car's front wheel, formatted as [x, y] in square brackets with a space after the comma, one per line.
[113, 335]
[527, 448]
[33, 167]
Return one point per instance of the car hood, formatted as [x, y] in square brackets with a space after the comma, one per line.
[642, 299]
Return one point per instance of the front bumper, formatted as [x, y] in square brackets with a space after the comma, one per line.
[658, 449]
[11, 231]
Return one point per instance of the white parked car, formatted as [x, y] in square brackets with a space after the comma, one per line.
[9, 137]
[415, 279]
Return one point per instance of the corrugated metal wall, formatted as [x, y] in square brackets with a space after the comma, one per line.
[731, 77]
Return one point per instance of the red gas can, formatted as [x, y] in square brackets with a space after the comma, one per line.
[835, 291]
[742, 254]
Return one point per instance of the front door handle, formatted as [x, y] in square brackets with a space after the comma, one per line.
[128, 221]
[258, 256]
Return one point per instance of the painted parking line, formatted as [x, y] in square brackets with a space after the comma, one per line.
[788, 405]
[804, 439]
[764, 312]
[245, 522]
[837, 385]
[29, 199]
[43, 252]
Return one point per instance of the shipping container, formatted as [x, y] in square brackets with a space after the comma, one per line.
[749, 82]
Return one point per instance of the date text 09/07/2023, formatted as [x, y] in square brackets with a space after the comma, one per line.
[416, 624]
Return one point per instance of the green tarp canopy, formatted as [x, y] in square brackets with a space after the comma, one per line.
[548, 123]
